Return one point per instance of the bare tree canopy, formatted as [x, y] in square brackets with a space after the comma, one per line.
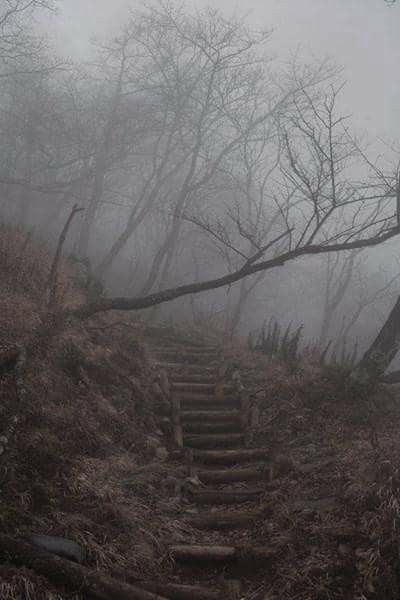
[200, 160]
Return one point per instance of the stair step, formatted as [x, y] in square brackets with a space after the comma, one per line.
[220, 554]
[184, 379]
[227, 496]
[227, 426]
[224, 519]
[187, 357]
[175, 591]
[230, 457]
[187, 369]
[210, 416]
[231, 475]
[202, 350]
[193, 387]
[204, 401]
[222, 440]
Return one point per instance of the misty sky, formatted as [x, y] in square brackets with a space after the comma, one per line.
[361, 35]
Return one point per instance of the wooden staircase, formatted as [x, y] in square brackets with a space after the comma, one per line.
[210, 430]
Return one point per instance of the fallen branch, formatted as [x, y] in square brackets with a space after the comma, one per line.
[249, 268]
[69, 574]
[184, 592]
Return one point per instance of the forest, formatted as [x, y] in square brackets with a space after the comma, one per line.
[200, 306]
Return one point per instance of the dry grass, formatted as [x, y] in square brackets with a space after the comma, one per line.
[334, 513]
[83, 431]
[78, 465]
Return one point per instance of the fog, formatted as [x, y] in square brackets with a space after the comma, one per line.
[361, 36]
[82, 126]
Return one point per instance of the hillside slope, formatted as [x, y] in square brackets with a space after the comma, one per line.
[78, 427]
[82, 455]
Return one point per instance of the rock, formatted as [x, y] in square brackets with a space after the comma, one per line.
[344, 550]
[161, 453]
[58, 546]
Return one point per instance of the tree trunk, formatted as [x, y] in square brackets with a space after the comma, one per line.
[95, 198]
[383, 349]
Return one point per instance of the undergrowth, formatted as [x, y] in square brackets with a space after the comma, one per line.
[86, 424]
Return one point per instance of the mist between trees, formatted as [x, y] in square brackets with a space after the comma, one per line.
[201, 165]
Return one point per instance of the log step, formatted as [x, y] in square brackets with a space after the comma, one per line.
[223, 520]
[184, 379]
[187, 369]
[221, 440]
[204, 402]
[210, 416]
[220, 554]
[176, 591]
[231, 475]
[216, 497]
[228, 426]
[202, 350]
[192, 387]
[230, 457]
[186, 357]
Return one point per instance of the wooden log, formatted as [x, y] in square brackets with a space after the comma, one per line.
[232, 475]
[228, 426]
[224, 496]
[204, 379]
[220, 554]
[184, 592]
[202, 553]
[205, 397]
[224, 440]
[224, 520]
[187, 370]
[204, 402]
[68, 574]
[194, 358]
[230, 457]
[210, 416]
[191, 348]
[192, 387]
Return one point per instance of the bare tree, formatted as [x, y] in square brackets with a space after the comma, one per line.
[321, 208]
[338, 272]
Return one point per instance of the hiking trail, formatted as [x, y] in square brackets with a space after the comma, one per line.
[211, 420]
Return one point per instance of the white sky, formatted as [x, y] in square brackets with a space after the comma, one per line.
[361, 35]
